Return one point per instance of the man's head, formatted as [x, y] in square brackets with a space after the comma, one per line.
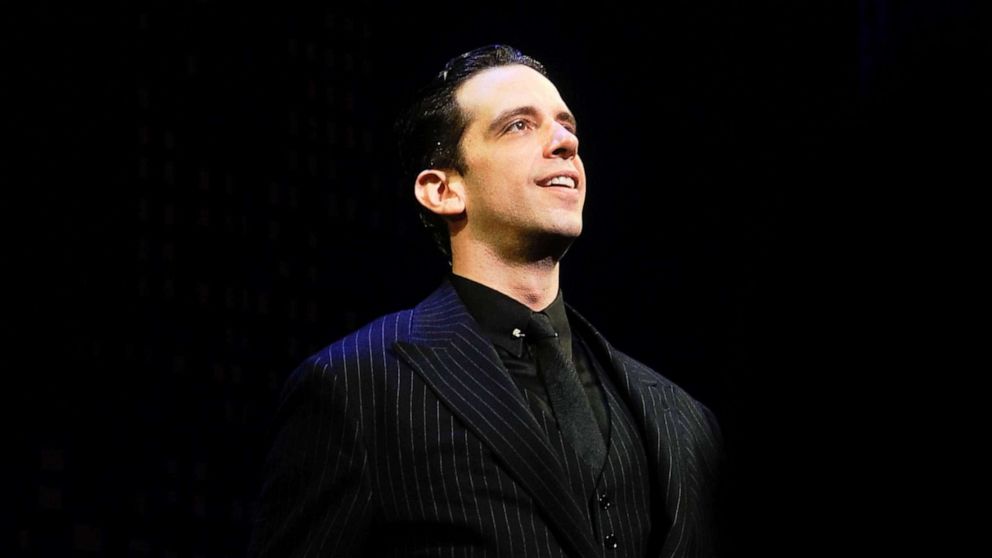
[486, 139]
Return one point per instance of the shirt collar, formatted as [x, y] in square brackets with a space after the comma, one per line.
[499, 315]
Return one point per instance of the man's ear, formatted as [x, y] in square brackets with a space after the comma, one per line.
[442, 192]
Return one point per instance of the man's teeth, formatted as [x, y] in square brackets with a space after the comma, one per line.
[562, 181]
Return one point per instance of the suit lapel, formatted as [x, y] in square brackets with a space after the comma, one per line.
[461, 366]
[650, 401]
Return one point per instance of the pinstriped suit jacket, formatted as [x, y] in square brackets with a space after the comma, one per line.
[409, 438]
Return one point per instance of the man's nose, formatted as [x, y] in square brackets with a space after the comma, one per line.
[564, 143]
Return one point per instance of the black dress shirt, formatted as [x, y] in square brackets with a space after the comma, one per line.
[500, 315]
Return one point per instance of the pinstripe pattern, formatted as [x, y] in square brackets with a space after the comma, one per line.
[683, 444]
[409, 438]
[624, 478]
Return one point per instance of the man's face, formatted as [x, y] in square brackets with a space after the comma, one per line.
[524, 181]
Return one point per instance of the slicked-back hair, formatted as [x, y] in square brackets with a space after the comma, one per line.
[430, 131]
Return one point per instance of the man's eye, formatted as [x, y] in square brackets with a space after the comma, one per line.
[517, 126]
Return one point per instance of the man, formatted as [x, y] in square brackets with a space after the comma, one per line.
[491, 419]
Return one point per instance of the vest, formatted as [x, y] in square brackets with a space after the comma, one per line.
[620, 497]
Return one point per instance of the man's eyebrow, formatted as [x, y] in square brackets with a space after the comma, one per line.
[497, 123]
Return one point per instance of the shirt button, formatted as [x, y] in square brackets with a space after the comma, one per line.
[611, 542]
[604, 502]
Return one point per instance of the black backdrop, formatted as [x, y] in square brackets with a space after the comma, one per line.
[203, 194]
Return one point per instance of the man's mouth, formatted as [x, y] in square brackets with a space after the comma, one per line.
[561, 180]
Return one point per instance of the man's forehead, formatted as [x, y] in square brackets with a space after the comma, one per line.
[495, 89]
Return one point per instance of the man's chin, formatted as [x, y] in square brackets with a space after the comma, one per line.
[562, 228]
[550, 244]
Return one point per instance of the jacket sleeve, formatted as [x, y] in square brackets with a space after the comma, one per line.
[316, 499]
[717, 516]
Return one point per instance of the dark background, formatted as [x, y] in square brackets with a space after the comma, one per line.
[202, 195]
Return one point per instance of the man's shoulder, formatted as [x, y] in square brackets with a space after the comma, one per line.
[638, 371]
[373, 338]
[634, 367]
[371, 347]
[656, 376]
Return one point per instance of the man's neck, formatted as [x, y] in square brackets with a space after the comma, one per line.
[533, 283]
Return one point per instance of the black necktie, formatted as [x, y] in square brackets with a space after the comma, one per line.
[565, 392]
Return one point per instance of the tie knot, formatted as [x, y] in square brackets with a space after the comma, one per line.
[540, 327]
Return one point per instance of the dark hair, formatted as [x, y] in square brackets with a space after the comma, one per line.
[431, 129]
